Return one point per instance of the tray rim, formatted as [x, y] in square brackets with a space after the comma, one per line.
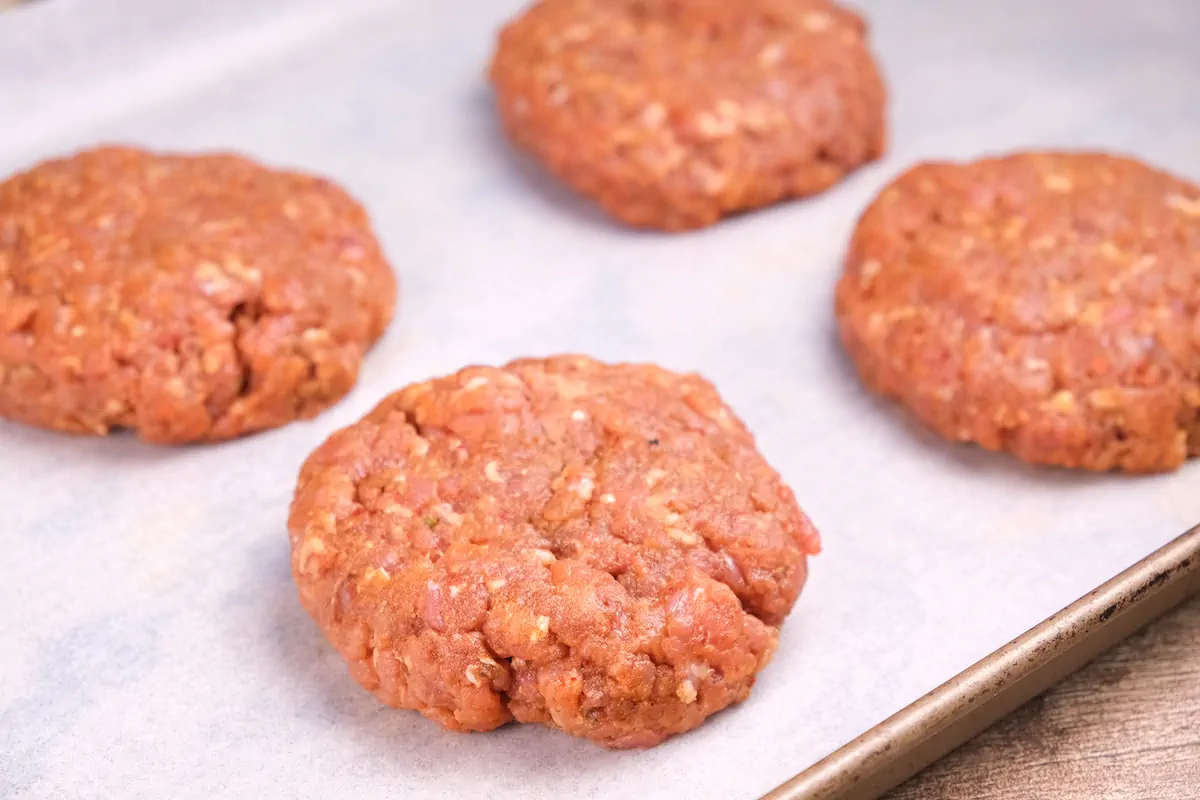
[919, 734]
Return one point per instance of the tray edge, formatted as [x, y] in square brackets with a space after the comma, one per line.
[965, 705]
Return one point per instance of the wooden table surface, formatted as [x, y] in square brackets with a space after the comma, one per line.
[1126, 727]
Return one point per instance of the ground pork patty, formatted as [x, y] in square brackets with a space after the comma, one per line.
[674, 114]
[1041, 303]
[188, 297]
[597, 548]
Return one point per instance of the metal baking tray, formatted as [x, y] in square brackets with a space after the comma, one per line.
[152, 642]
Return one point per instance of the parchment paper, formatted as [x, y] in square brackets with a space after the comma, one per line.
[150, 641]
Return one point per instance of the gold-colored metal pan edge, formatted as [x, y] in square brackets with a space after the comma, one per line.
[951, 714]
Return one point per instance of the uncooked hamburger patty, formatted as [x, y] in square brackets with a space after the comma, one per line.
[1047, 304]
[597, 548]
[674, 114]
[187, 297]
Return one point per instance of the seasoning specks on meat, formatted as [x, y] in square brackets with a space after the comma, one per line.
[1040, 303]
[187, 297]
[527, 562]
[673, 115]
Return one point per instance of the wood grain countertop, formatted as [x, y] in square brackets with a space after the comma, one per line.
[1126, 727]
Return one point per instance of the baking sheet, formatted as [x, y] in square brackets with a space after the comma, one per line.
[152, 642]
